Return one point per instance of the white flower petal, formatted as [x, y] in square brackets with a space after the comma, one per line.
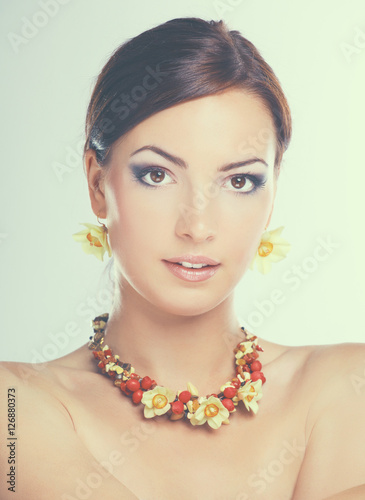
[161, 411]
[214, 422]
[148, 412]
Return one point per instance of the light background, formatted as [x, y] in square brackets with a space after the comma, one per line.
[50, 289]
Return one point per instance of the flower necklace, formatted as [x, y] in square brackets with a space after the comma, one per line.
[158, 400]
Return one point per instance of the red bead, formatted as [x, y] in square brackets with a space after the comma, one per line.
[146, 383]
[133, 384]
[256, 366]
[185, 396]
[258, 375]
[177, 407]
[137, 396]
[228, 403]
[124, 389]
[230, 392]
[107, 352]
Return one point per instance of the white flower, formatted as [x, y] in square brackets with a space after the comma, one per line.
[211, 410]
[250, 393]
[272, 248]
[157, 401]
[93, 240]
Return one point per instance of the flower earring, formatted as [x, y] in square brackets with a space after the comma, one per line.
[94, 239]
[272, 248]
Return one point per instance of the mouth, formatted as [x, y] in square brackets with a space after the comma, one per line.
[188, 265]
[196, 261]
[188, 271]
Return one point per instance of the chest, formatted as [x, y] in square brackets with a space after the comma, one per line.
[255, 457]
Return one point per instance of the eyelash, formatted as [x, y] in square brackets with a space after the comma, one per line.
[258, 181]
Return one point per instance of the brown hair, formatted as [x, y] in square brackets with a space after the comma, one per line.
[177, 61]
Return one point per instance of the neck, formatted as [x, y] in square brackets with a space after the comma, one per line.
[174, 349]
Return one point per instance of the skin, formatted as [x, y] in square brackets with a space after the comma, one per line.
[177, 331]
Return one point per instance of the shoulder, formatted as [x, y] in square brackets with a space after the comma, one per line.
[36, 377]
[335, 378]
[42, 441]
[347, 352]
[335, 366]
[19, 372]
[326, 370]
[27, 413]
[337, 375]
[31, 385]
[325, 366]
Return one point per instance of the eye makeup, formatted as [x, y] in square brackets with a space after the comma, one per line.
[258, 181]
[140, 171]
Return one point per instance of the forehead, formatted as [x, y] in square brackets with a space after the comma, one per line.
[223, 126]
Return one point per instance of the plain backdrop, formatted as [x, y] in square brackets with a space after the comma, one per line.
[51, 54]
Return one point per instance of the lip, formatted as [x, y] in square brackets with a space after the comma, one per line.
[192, 275]
[194, 259]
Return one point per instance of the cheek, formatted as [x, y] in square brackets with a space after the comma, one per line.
[137, 221]
[243, 229]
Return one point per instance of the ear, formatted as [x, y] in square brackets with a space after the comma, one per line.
[95, 180]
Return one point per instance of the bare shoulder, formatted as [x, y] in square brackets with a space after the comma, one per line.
[325, 370]
[333, 462]
[325, 366]
[331, 354]
[331, 367]
[42, 442]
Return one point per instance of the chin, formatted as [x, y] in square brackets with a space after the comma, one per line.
[183, 301]
[189, 308]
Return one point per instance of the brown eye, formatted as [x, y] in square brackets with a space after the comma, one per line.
[152, 176]
[157, 175]
[239, 181]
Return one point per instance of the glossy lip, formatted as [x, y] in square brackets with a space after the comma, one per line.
[187, 274]
[193, 259]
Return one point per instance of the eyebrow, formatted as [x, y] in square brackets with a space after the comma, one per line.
[182, 164]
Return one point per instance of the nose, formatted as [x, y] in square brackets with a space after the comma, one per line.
[198, 224]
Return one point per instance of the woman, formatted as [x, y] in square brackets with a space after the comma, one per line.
[185, 133]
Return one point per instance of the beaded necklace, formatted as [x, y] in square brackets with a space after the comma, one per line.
[214, 408]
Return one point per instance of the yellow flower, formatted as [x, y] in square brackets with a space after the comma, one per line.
[157, 401]
[272, 248]
[93, 240]
[211, 410]
[250, 393]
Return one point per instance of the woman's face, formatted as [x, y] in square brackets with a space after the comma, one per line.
[183, 200]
